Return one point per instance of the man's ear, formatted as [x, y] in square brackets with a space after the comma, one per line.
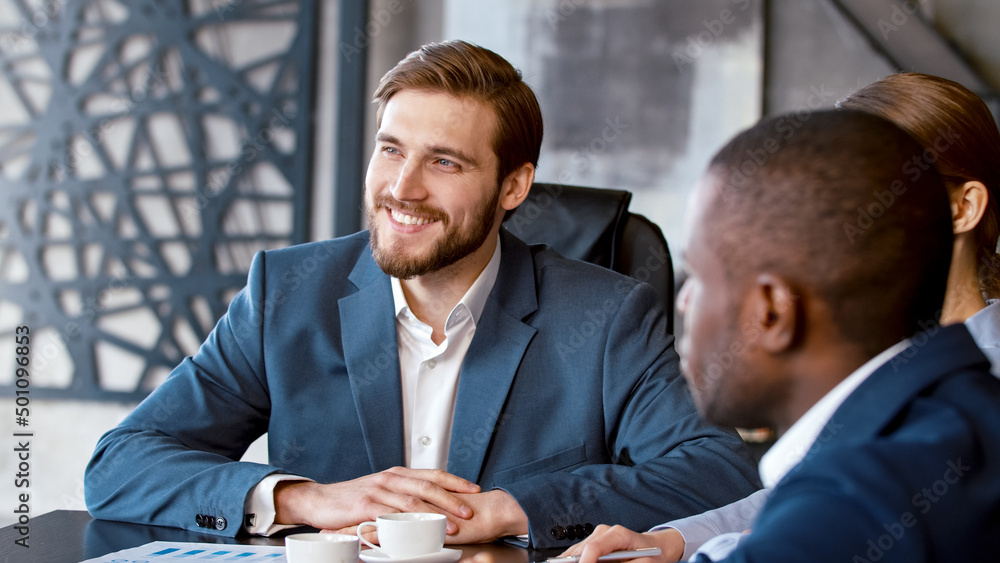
[516, 186]
[968, 203]
[775, 312]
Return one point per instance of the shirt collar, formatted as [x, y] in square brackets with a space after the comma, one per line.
[474, 299]
[985, 325]
[791, 448]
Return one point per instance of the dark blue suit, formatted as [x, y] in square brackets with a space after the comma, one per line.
[570, 399]
[907, 470]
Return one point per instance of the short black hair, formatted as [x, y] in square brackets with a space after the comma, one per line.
[832, 202]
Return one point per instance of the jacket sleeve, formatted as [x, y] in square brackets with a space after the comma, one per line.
[735, 517]
[174, 461]
[667, 463]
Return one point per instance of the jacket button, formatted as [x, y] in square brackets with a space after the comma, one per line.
[558, 532]
[200, 520]
[220, 523]
[588, 528]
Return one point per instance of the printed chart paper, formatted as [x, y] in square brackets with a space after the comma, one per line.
[166, 551]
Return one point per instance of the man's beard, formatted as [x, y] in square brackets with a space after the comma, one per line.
[449, 248]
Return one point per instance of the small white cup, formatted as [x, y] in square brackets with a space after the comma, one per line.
[408, 534]
[321, 548]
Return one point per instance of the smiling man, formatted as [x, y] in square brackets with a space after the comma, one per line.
[418, 367]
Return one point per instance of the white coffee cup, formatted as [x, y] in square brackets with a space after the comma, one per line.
[321, 548]
[408, 534]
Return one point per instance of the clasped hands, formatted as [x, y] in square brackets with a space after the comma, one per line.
[473, 516]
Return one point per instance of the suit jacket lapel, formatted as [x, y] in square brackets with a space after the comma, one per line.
[491, 362]
[881, 397]
[368, 331]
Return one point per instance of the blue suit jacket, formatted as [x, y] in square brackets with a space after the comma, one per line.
[569, 398]
[907, 470]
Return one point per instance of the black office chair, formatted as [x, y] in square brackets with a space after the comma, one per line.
[594, 225]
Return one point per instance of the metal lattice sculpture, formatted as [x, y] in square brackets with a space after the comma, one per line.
[147, 150]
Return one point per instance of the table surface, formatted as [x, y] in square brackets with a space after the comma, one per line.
[68, 536]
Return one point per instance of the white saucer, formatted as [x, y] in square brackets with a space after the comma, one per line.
[444, 556]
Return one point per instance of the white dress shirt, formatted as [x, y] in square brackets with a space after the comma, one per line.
[430, 371]
[985, 329]
[429, 375]
[792, 447]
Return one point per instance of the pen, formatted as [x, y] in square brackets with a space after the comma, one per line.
[613, 556]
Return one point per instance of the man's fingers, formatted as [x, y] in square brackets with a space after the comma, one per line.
[403, 502]
[481, 557]
[343, 505]
[577, 549]
[411, 494]
[441, 478]
[604, 541]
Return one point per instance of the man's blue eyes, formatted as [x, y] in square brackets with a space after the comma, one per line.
[440, 161]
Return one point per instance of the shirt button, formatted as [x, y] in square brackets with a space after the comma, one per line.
[432, 364]
[425, 440]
